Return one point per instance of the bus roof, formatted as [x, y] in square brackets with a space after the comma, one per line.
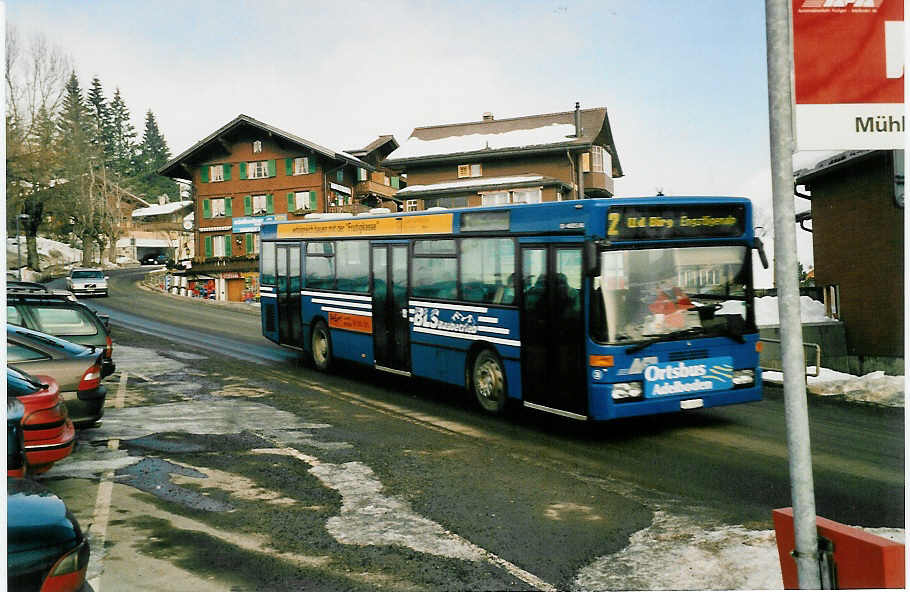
[580, 217]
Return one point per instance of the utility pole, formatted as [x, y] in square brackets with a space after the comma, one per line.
[777, 22]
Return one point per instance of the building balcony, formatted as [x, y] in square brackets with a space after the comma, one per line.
[372, 187]
[598, 184]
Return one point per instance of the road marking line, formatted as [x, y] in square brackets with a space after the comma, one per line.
[103, 504]
[491, 557]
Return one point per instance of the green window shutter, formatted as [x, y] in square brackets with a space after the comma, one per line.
[312, 204]
[204, 174]
[242, 167]
[395, 182]
[247, 205]
[291, 205]
[339, 175]
[269, 204]
[208, 246]
[288, 166]
[206, 208]
[228, 210]
[227, 245]
[312, 162]
[271, 167]
[249, 242]
[227, 171]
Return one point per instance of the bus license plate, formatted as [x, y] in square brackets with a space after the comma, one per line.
[692, 404]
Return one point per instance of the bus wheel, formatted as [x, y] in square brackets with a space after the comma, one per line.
[488, 381]
[321, 346]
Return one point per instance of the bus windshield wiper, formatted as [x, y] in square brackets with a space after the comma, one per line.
[665, 336]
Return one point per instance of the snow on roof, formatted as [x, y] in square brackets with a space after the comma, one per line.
[475, 182]
[556, 133]
[157, 210]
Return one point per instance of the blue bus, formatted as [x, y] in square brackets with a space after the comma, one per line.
[590, 309]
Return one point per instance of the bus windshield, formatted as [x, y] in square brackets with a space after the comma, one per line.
[650, 293]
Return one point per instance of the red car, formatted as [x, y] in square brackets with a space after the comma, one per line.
[48, 432]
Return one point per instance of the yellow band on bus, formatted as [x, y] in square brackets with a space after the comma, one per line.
[430, 224]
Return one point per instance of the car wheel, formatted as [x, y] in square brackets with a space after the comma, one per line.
[321, 347]
[488, 381]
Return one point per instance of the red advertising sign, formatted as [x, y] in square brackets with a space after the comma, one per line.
[848, 60]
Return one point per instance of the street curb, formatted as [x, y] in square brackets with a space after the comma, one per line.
[249, 309]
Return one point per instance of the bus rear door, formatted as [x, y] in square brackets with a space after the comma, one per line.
[552, 329]
[288, 289]
[391, 342]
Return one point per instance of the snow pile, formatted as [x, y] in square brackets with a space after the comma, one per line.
[810, 311]
[875, 387]
[557, 133]
[471, 183]
[50, 252]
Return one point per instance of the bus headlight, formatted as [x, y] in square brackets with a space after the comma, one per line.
[741, 377]
[626, 390]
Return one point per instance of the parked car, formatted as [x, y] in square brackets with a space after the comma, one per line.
[157, 259]
[87, 280]
[61, 316]
[46, 551]
[17, 286]
[46, 428]
[15, 441]
[76, 368]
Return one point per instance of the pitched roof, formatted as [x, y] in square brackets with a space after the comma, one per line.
[549, 132]
[173, 169]
[478, 184]
[380, 141]
[159, 209]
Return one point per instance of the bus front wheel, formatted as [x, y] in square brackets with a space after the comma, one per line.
[488, 381]
[321, 346]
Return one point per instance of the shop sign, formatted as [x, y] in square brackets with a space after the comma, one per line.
[254, 223]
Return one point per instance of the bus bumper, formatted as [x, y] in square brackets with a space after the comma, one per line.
[603, 408]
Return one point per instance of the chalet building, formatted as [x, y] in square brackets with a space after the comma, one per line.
[858, 242]
[161, 229]
[248, 172]
[529, 159]
[377, 188]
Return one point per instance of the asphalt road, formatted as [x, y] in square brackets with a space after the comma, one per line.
[402, 481]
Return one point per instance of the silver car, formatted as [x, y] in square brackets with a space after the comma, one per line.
[84, 280]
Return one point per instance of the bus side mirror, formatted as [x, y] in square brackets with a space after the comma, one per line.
[590, 265]
[760, 247]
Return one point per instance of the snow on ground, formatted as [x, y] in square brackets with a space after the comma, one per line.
[810, 311]
[50, 251]
[875, 387]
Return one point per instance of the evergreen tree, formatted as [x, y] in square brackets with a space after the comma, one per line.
[154, 153]
[123, 137]
[100, 116]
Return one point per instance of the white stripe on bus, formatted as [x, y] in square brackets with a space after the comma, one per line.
[458, 307]
[468, 336]
[267, 295]
[342, 303]
[328, 295]
[492, 320]
[499, 330]
[361, 313]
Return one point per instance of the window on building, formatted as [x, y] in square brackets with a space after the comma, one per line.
[257, 146]
[259, 169]
[260, 205]
[219, 209]
[339, 175]
[445, 202]
[305, 200]
[598, 158]
[495, 198]
[361, 174]
[301, 165]
[218, 243]
[216, 172]
[411, 205]
[469, 170]
[526, 196]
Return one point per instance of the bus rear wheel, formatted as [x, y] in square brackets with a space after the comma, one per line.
[488, 381]
[321, 346]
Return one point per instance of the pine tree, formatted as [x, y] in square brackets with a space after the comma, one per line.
[153, 153]
[123, 137]
[100, 116]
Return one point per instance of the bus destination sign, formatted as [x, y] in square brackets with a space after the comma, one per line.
[671, 221]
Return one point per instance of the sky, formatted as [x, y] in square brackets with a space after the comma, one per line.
[684, 82]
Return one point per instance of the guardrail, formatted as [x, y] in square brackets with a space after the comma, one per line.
[806, 347]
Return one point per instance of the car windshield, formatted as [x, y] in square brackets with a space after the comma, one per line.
[19, 383]
[647, 294]
[87, 274]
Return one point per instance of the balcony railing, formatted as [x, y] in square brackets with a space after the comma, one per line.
[366, 187]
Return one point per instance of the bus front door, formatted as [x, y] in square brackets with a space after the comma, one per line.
[552, 330]
[391, 342]
[288, 293]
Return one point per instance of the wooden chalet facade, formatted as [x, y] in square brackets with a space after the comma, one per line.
[550, 157]
[248, 172]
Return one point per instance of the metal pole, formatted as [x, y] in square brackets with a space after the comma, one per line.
[18, 250]
[777, 15]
